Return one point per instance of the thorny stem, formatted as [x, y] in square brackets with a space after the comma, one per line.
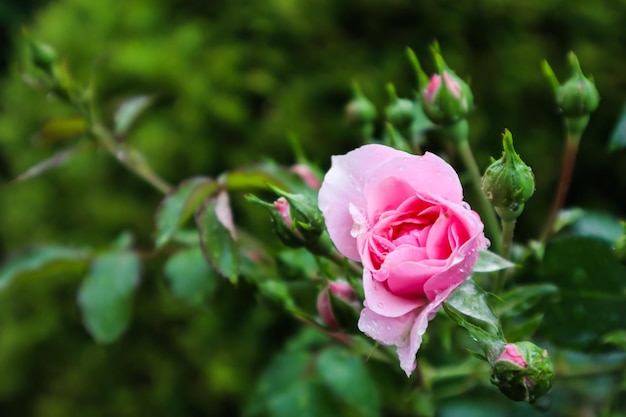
[569, 160]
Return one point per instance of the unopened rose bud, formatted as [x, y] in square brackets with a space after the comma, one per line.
[523, 372]
[332, 314]
[400, 112]
[361, 112]
[297, 220]
[445, 97]
[282, 221]
[578, 96]
[508, 182]
[305, 214]
[43, 56]
[282, 207]
[307, 174]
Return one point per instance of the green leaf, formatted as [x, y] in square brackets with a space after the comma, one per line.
[592, 292]
[468, 307]
[44, 166]
[38, 259]
[521, 299]
[617, 337]
[284, 370]
[190, 277]
[523, 329]
[567, 217]
[618, 137]
[259, 176]
[346, 376]
[179, 205]
[105, 296]
[491, 262]
[471, 302]
[61, 129]
[303, 398]
[278, 292]
[129, 110]
[216, 240]
[599, 225]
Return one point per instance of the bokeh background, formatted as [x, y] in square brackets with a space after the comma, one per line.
[234, 79]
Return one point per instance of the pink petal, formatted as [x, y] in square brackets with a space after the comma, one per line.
[406, 331]
[407, 273]
[343, 185]
[407, 352]
[426, 174]
[437, 245]
[382, 301]
[386, 194]
[461, 263]
[512, 354]
[386, 330]
[282, 207]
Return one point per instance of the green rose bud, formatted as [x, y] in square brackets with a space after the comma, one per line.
[361, 112]
[282, 222]
[297, 220]
[523, 372]
[508, 182]
[445, 97]
[43, 56]
[578, 96]
[306, 216]
[401, 111]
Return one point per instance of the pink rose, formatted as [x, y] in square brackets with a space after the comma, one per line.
[402, 216]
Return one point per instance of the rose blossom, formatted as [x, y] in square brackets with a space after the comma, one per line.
[402, 216]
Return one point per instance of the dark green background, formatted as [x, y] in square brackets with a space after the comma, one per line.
[234, 79]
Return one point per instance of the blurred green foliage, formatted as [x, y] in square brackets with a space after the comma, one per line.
[232, 80]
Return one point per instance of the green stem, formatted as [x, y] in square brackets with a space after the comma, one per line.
[471, 367]
[132, 160]
[459, 133]
[324, 249]
[567, 168]
[508, 228]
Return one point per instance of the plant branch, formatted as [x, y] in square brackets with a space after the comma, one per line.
[567, 168]
[133, 160]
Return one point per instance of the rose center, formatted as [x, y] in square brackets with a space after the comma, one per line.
[429, 231]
